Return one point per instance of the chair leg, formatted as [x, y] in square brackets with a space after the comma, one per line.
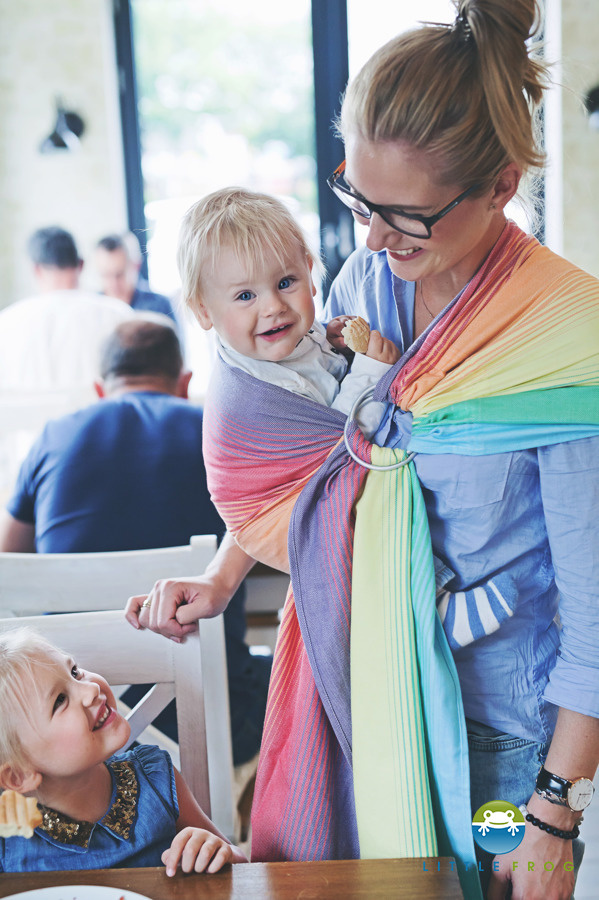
[244, 781]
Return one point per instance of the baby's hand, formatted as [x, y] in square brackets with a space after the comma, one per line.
[382, 349]
[334, 335]
[197, 850]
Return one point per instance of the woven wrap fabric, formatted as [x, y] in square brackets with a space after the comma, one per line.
[512, 363]
[262, 446]
[285, 484]
[391, 573]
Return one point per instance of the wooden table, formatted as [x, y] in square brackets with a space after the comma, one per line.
[384, 879]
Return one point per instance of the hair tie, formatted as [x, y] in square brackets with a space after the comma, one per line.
[462, 27]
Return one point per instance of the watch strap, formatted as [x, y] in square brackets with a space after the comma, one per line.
[553, 784]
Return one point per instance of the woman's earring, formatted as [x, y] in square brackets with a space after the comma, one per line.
[492, 206]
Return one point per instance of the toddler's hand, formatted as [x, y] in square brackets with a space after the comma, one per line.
[334, 335]
[382, 349]
[197, 850]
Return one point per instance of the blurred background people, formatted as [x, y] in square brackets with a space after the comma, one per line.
[118, 263]
[52, 340]
[127, 473]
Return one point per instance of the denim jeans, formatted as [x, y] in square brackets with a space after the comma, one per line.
[504, 767]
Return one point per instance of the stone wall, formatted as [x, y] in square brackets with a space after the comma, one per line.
[580, 148]
[63, 49]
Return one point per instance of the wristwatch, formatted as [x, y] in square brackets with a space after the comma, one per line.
[576, 794]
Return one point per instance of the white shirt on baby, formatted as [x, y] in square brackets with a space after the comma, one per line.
[317, 371]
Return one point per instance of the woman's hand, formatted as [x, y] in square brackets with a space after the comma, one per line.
[535, 870]
[198, 850]
[541, 868]
[173, 606]
[573, 752]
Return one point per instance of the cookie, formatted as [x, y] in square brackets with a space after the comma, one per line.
[356, 334]
[19, 815]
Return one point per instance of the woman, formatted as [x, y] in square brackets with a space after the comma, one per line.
[438, 132]
[491, 391]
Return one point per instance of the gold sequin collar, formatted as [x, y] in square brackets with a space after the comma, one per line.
[119, 818]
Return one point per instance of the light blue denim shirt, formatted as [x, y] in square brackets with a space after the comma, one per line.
[531, 514]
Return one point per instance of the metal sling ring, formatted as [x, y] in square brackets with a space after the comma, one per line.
[366, 395]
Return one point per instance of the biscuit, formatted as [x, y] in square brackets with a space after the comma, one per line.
[19, 815]
[356, 334]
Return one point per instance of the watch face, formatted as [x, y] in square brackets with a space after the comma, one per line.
[580, 793]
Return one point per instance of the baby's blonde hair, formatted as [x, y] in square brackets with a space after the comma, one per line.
[249, 223]
[22, 651]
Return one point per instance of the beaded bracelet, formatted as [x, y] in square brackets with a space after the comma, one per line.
[551, 829]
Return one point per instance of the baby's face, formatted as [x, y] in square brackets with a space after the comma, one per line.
[263, 315]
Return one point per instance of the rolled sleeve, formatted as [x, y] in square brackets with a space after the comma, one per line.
[21, 505]
[569, 474]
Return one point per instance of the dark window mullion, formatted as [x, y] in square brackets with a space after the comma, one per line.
[125, 57]
[331, 72]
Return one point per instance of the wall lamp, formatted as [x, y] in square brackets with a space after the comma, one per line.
[591, 103]
[68, 129]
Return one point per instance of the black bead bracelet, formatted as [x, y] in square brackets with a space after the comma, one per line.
[551, 829]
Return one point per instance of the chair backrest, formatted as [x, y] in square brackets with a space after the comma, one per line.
[23, 414]
[194, 672]
[30, 410]
[33, 583]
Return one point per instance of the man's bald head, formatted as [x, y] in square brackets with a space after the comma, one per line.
[141, 352]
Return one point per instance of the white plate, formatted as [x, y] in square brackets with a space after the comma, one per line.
[79, 892]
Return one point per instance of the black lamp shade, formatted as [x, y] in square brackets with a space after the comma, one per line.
[68, 129]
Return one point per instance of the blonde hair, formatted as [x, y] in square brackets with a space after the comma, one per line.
[467, 94]
[250, 223]
[22, 651]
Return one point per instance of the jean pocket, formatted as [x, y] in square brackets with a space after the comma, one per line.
[483, 737]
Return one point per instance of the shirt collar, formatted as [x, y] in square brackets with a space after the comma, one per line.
[61, 829]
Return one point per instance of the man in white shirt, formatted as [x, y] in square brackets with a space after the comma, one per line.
[51, 342]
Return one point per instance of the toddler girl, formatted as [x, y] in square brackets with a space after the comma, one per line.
[60, 734]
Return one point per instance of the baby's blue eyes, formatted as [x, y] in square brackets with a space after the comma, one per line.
[283, 285]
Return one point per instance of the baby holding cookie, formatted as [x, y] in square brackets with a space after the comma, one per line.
[60, 737]
[246, 270]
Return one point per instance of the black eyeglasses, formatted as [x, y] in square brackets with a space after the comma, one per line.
[413, 224]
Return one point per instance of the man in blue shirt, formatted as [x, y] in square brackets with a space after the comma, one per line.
[127, 473]
[118, 261]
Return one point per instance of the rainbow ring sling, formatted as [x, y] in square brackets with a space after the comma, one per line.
[364, 750]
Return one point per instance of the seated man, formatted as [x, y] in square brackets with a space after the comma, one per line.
[51, 341]
[127, 473]
[118, 261]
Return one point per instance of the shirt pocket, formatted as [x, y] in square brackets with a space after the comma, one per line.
[480, 480]
[465, 482]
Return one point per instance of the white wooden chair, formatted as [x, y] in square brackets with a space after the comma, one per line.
[33, 583]
[266, 590]
[36, 583]
[194, 672]
[23, 414]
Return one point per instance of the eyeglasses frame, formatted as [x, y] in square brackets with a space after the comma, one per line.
[384, 211]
